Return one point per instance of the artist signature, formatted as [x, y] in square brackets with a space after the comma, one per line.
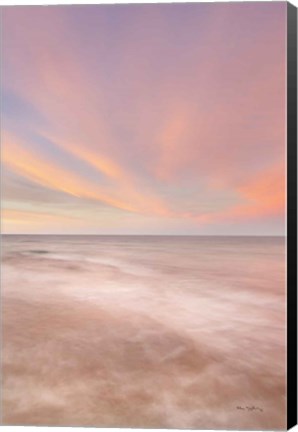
[249, 408]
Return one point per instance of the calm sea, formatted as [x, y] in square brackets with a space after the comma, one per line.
[144, 331]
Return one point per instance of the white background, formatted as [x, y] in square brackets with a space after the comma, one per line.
[55, 2]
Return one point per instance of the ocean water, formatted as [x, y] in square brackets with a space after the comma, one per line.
[144, 331]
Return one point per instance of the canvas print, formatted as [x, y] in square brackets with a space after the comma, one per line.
[143, 215]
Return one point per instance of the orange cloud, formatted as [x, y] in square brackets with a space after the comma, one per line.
[32, 166]
[27, 217]
[131, 186]
[36, 221]
[267, 191]
[172, 142]
[263, 195]
[19, 158]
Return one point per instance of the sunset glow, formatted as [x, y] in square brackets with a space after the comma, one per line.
[144, 119]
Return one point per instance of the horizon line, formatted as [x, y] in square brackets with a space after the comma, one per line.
[145, 235]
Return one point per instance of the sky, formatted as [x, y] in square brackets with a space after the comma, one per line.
[144, 119]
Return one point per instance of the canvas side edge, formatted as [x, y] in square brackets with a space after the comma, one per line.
[291, 215]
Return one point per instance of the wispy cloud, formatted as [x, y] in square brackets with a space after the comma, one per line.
[144, 120]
